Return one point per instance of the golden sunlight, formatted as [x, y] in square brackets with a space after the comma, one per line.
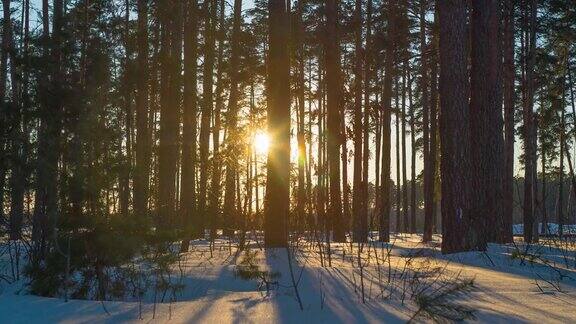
[261, 142]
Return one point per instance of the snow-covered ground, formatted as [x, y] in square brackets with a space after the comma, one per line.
[518, 229]
[509, 285]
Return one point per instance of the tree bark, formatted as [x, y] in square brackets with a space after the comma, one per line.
[277, 201]
[509, 112]
[170, 54]
[207, 105]
[486, 141]
[334, 109]
[385, 181]
[454, 131]
[143, 133]
[189, 214]
[358, 199]
[426, 136]
[530, 11]
[230, 213]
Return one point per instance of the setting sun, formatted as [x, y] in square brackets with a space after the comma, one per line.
[261, 142]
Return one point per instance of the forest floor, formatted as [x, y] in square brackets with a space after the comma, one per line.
[402, 280]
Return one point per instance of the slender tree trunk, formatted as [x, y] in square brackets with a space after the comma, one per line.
[143, 134]
[189, 214]
[454, 123]
[399, 228]
[509, 98]
[335, 112]
[358, 200]
[528, 113]
[230, 213]
[434, 125]
[277, 185]
[208, 98]
[406, 220]
[544, 228]
[170, 55]
[366, 130]
[299, 35]
[15, 131]
[385, 181]
[215, 195]
[426, 134]
[412, 159]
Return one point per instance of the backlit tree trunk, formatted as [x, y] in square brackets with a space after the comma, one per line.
[335, 112]
[276, 208]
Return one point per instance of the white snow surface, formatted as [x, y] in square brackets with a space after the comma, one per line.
[506, 289]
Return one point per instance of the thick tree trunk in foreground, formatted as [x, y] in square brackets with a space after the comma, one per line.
[454, 132]
[277, 202]
[487, 143]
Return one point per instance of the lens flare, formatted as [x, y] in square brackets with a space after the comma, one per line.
[261, 143]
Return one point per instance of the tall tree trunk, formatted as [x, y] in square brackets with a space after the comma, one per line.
[230, 213]
[215, 195]
[124, 177]
[335, 112]
[486, 141]
[434, 157]
[544, 227]
[454, 132]
[426, 134]
[366, 130]
[412, 159]
[385, 181]
[278, 163]
[358, 199]
[208, 102]
[528, 106]
[170, 56]
[143, 132]
[398, 161]
[299, 47]
[190, 221]
[509, 98]
[405, 218]
[15, 131]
